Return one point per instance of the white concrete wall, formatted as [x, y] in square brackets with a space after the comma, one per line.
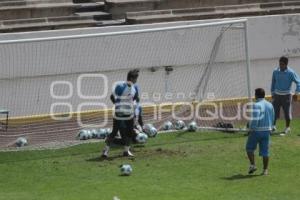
[269, 37]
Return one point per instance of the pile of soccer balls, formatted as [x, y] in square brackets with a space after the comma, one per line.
[148, 131]
[180, 125]
[101, 133]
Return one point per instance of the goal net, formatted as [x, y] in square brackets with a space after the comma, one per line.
[53, 87]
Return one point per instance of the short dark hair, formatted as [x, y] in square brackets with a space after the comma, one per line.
[260, 93]
[133, 74]
[284, 59]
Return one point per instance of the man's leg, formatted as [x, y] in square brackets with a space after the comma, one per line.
[287, 108]
[264, 150]
[276, 105]
[250, 148]
[251, 158]
[127, 134]
[266, 163]
[110, 139]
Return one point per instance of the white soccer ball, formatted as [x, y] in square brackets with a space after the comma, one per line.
[192, 126]
[102, 133]
[126, 170]
[21, 142]
[147, 127]
[152, 132]
[108, 131]
[83, 135]
[141, 138]
[179, 125]
[167, 125]
[94, 133]
[89, 133]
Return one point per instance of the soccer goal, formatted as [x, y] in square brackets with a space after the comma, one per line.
[54, 86]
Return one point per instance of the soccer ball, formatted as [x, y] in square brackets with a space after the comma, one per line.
[126, 170]
[141, 138]
[167, 125]
[152, 132]
[20, 142]
[94, 133]
[89, 134]
[102, 133]
[192, 126]
[179, 125]
[147, 127]
[83, 135]
[108, 131]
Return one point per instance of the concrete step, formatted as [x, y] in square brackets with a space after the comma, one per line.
[30, 2]
[119, 8]
[52, 23]
[48, 26]
[93, 6]
[38, 10]
[87, 1]
[212, 12]
[97, 15]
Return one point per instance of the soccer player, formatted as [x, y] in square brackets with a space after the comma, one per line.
[282, 80]
[260, 125]
[125, 94]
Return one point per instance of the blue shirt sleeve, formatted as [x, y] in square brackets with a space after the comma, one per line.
[296, 79]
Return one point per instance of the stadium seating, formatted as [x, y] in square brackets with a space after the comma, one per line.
[213, 12]
[118, 8]
[31, 15]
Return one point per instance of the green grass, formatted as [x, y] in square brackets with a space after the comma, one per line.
[183, 166]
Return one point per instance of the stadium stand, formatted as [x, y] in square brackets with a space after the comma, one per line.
[35, 15]
[32, 15]
[200, 13]
[118, 8]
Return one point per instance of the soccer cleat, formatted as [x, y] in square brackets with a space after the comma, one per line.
[104, 154]
[286, 131]
[265, 172]
[252, 169]
[127, 154]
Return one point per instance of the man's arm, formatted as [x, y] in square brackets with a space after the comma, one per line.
[296, 79]
[137, 94]
[112, 98]
[273, 84]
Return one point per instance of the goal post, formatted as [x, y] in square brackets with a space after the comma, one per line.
[186, 72]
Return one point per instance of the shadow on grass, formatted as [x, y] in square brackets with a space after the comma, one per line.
[240, 177]
[110, 158]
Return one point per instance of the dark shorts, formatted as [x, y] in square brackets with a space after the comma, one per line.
[284, 101]
[261, 138]
[126, 129]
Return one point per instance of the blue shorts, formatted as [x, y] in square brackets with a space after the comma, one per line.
[262, 138]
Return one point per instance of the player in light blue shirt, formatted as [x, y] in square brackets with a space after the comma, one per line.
[260, 125]
[281, 89]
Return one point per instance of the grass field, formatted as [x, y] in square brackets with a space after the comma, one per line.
[181, 166]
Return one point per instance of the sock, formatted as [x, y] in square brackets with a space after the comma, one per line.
[126, 148]
[106, 149]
